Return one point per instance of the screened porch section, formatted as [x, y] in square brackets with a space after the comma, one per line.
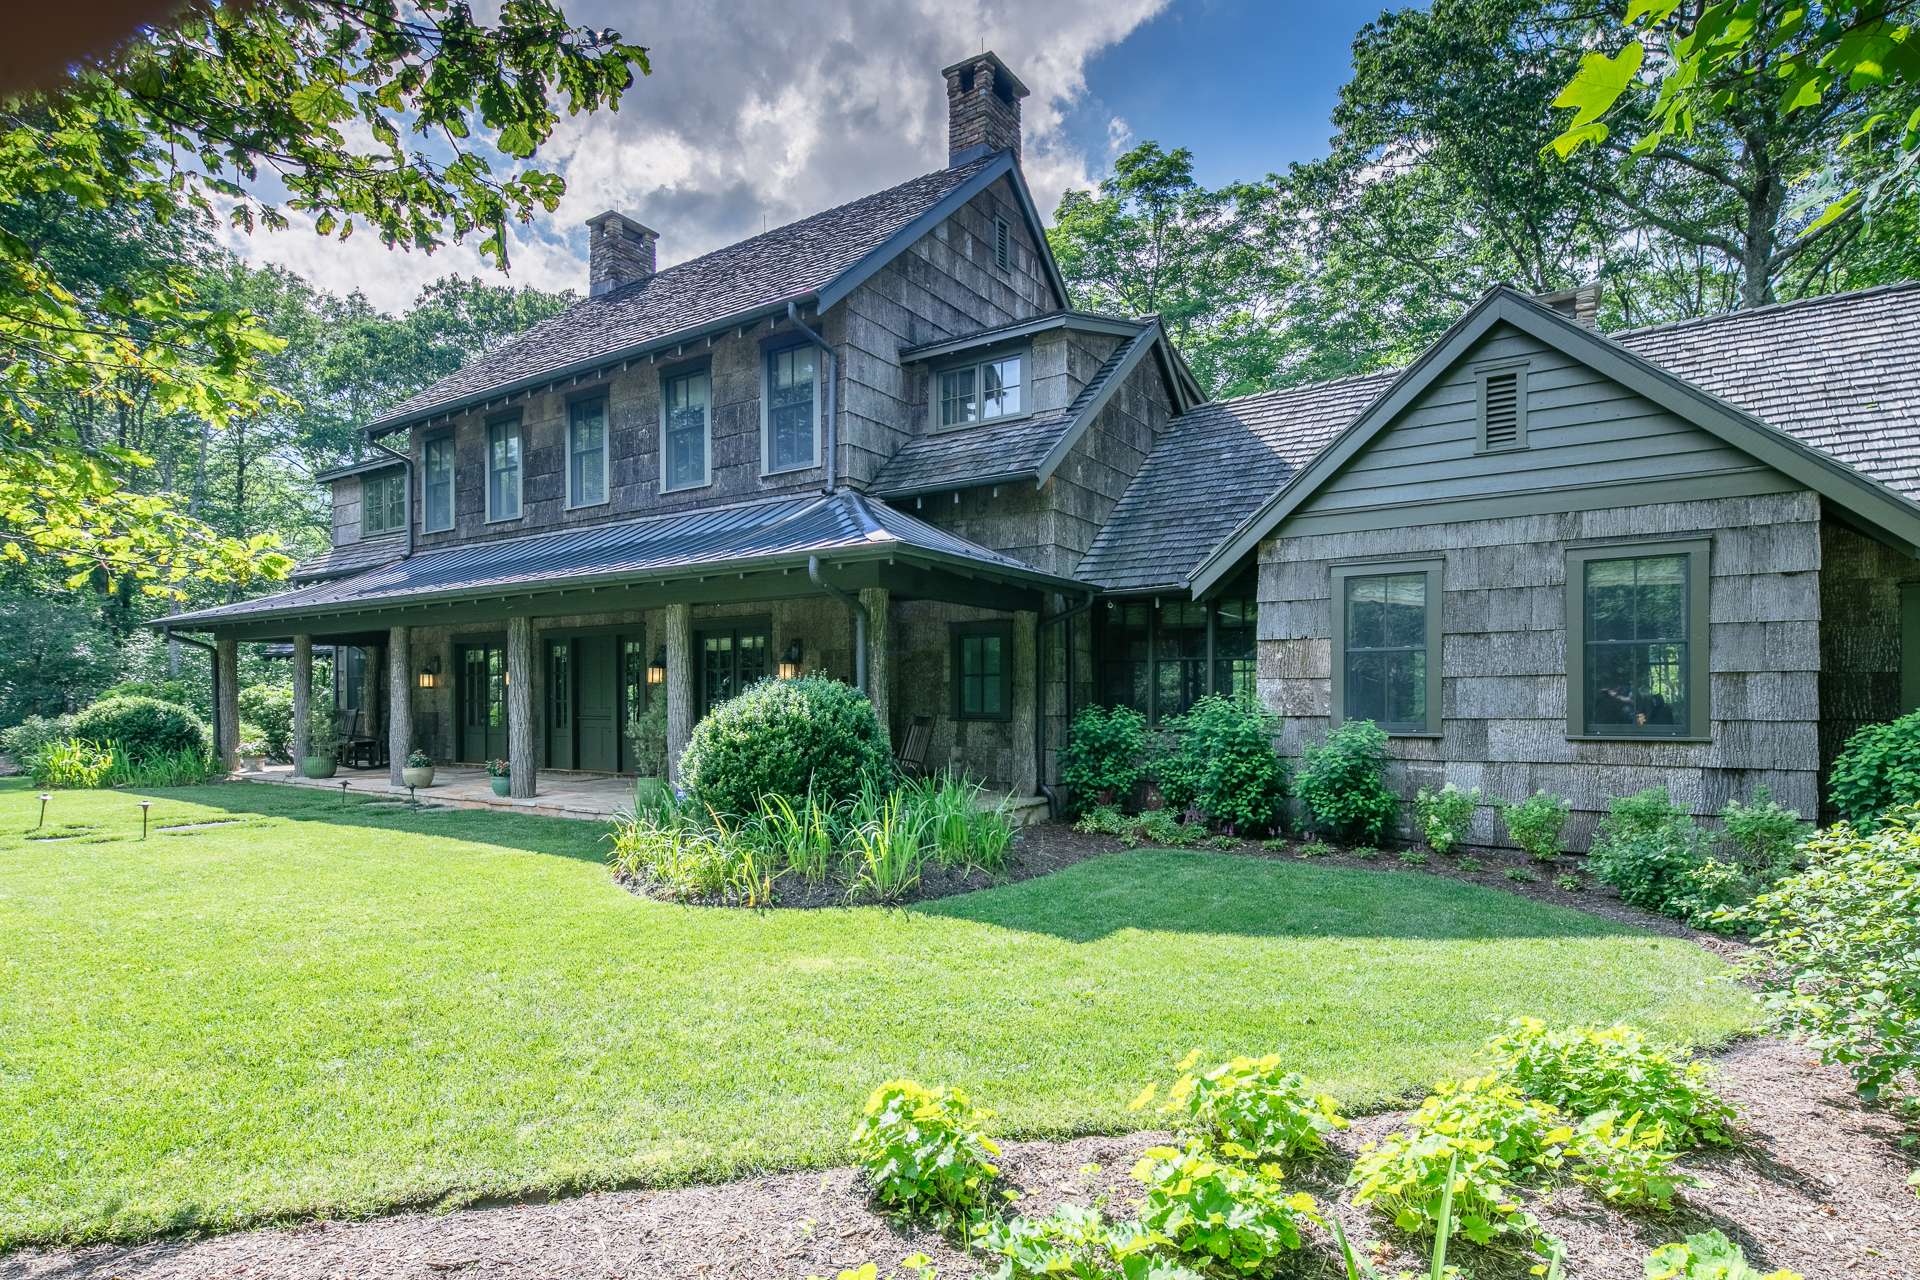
[1161, 655]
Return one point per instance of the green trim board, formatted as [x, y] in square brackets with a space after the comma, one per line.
[1085, 322]
[1697, 722]
[1886, 514]
[1341, 578]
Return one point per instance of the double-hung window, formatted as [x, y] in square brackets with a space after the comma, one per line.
[436, 465]
[686, 409]
[982, 671]
[587, 453]
[383, 503]
[1386, 645]
[503, 469]
[983, 391]
[792, 423]
[1637, 640]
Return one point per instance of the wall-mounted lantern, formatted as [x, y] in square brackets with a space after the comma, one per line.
[657, 669]
[790, 662]
[430, 674]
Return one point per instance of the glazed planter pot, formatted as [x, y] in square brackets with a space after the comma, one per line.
[420, 777]
[319, 766]
[502, 787]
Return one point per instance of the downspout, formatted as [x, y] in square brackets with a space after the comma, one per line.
[1055, 800]
[831, 434]
[213, 666]
[859, 620]
[406, 461]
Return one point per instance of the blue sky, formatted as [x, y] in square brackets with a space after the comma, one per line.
[759, 112]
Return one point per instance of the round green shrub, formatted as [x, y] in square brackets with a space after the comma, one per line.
[1343, 783]
[784, 738]
[1104, 755]
[1879, 769]
[142, 727]
[269, 707]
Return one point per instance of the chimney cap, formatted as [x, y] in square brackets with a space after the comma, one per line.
[1000, 70]
[631, 225]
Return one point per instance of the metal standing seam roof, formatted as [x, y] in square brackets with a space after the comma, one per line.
[1839, 373]
[759, 534]
[751, 276]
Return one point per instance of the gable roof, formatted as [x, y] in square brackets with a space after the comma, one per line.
[772, 533]
[822, 257]
[1029, 448]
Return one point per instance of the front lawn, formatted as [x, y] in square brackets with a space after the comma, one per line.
[316, 1007]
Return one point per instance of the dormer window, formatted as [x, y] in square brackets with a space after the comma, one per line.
[383, 503]
[984, 391]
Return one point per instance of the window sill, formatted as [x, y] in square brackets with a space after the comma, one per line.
[587, 506]
[959, 719]
[791, 471]
[505, 519]
[1650, 739]
[444, 528]
[686, 488]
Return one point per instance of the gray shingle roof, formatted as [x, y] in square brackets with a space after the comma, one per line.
[1014, 451]
[762, 272]
[781, 530]
[1840, 373]
[352, 557]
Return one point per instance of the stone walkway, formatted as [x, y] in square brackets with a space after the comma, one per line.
[593, 797]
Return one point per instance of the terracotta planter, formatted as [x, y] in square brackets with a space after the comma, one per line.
[420, 777]
[319, 766]
[502, 787]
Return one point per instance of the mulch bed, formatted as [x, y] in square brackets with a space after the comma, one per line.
[1817, 1187]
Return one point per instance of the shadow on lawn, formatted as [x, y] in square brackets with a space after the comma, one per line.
[1185, 891]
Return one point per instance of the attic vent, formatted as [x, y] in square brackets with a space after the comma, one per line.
[1002, 244]
[1503, 408]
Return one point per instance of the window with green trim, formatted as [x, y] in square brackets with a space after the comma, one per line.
[586, 453]
[982, 671]
[983, 391]
[383, 503]
[437, 467]
[1636, 630]
[503, 470]
[1386, 645]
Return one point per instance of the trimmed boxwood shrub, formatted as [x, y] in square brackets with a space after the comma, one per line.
[784, 738]
[142, 727]
[1879, 768]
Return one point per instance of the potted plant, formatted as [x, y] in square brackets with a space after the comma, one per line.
[252, 748]
[323, 744]
[500, 773]
[418, 771]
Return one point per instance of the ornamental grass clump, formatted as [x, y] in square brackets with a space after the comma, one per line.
[926, 1151]
[1248, 1110]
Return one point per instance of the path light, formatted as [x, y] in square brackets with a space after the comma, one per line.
[44, 797]
[144, 806]
[343, 790]
[411, 798]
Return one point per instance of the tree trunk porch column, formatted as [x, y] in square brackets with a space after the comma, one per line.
[876, 601]
[226, 711]
[302, 700]
[1026, 695]
[399, 704]
[522, 732]
[679, 627]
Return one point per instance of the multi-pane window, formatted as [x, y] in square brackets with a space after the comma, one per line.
[437, 466]
[982, 671]
[586, 453]
[686, 406]
[1179, 657]
[1636, 641]
[1384, 650]
[790, 409]
[503, 470]
[1235, 634]
[560, 683]
[982, 392]
[383, 502]
[1153, 655]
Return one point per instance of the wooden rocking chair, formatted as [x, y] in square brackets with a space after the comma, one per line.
[911, 758]
[358, 748]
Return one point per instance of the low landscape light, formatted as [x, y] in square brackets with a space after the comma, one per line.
[144, 806]
[44, 797]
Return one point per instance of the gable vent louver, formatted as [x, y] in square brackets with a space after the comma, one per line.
[1002, 244]
[1503, 409]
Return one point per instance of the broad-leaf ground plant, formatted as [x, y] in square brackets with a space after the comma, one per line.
[1878, 769]
[1248, 1109]
[1586, 1071]
[1343, 783]
[926, 1151]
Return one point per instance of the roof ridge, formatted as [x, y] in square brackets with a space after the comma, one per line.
[1320, 385]
[1791, 304]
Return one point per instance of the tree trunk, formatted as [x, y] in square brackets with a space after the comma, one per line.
[399, 704]
[522, 733]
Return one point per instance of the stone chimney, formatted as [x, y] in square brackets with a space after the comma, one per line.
[620, 251]
[1582, 305]
[983, 109]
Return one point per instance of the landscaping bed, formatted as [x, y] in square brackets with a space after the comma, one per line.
[1816, 1187]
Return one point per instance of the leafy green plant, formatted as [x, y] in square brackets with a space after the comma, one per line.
[1764, 833]
[142, 726]
[1707, 1256]
[21, 742]
[270, 707]
[1590, 1071]
[184, 768]
[1413, 858]
[1520, 875]
[888, 853]
[1224, 842]
[1535, 824]
[1230, 1217]
[73, 764]
[1343, 783]
[1570, 881]
[926, 1151]
[1107, 820]
[1227, 752]
[1877, 770]
[1645, 847]
[1160, 826]
[418, 759]
[1629, 1162]
[1839, 949]
[801, 836]
[647, 737]
[1078, 1243]
[1471, 864]
[1102, 760]
[1445, 817]
[1365, 852]
[785, 738]
[1248, 1109]
[1707, 889]
[1175, 766]
[1317, 849]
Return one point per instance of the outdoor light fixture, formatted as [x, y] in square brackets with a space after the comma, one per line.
[430, 674]
[790, 662]
[657, 669]
[44, 797]
[144, 806]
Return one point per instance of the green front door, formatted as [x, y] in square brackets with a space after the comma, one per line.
[596, 712]
[560, 704]
[482, 697]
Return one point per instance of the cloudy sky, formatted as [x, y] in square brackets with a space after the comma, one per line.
[762, 111]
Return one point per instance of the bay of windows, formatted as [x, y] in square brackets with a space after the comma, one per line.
[685, 429]
[586, 453]
[983, 391]
[1153, 656]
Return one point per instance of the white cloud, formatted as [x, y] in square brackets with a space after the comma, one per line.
[756, 114]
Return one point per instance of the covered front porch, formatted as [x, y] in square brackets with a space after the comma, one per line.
[591, 796]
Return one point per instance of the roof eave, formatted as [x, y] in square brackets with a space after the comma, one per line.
[1013, 332]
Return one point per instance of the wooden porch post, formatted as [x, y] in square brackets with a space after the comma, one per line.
[399, 704]
[879, 657]
[369, 689]
[226, 712]
[1026, 695]
[679, 684]
[302, 700]
[521, 735]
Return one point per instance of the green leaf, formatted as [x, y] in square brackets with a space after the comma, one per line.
[1600, 81]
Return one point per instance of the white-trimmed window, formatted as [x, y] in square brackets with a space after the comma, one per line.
[503, 469]
[983, 391]
[436, 465]
[587, 453]
[791, 439]
[686, 429]
[383, 503]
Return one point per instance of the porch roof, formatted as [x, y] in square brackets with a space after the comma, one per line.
[776, 534]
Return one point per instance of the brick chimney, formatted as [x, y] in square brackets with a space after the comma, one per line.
[620, 251]
[983, 109]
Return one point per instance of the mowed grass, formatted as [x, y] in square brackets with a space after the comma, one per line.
[318, 1008]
